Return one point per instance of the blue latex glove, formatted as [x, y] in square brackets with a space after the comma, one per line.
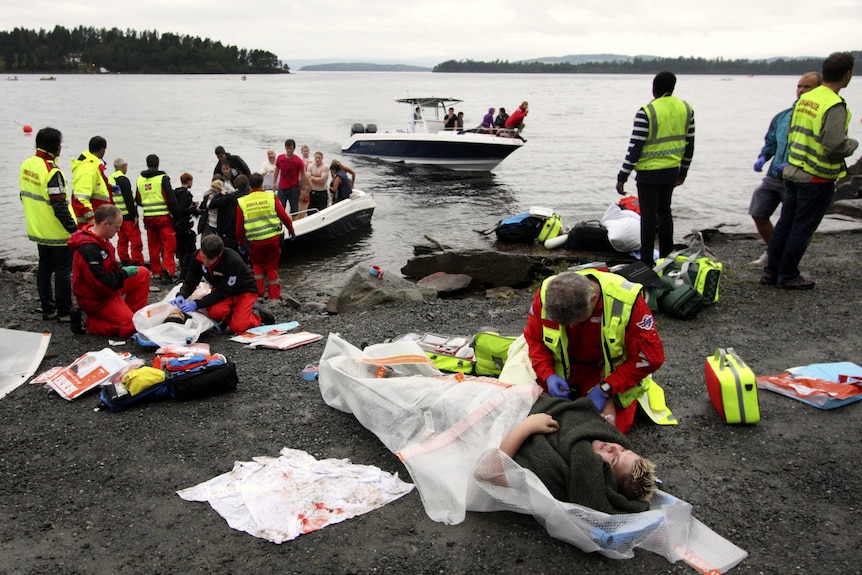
[758, 165]
[780, 167]
[243, 251]
[557, 386]
[178, 301]
[598, 397]
[189, 307]
[291, 235]
[115, 189]
[130, 271]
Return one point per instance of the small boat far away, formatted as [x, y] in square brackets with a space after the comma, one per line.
[338, 219]
[425, 142]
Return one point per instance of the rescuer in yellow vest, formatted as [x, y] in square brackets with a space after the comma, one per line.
[90, 187]
[660, 150]
[50, 222]
[259, 216]
[156, 198]
[817, 146]
[592, 334]
[129, 236]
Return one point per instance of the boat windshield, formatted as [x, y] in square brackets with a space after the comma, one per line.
[427, 114]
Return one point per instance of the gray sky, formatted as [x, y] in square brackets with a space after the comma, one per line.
[406, 30]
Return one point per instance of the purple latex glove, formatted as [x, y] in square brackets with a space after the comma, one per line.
[598, 397]
[178, 301]
[189, 307]
[557, 386]
[758, 165]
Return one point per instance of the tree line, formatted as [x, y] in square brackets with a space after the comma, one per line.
[637, 65]
[88, 49]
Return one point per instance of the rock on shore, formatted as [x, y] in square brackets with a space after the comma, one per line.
[89, 491]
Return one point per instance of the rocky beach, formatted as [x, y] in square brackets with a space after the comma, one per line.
[87, 491]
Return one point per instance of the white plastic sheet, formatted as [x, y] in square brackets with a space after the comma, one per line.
[21, 352]
[447, 431]
[150, 320]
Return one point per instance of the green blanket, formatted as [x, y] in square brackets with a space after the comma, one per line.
[565, 461]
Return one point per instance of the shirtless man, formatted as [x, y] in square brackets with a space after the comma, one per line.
[319, 175]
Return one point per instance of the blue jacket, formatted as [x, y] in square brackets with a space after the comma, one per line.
[775, 141]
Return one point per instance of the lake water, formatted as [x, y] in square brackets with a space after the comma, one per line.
[577, 131]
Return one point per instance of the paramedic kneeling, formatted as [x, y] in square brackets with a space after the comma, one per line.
[234, 289]
[107, 293]
[591, 334]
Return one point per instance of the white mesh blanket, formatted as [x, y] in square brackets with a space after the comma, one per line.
[447, 431]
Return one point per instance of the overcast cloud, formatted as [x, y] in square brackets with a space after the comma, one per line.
[432, 32]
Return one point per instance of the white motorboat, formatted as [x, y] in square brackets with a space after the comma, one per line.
[338, 219]
[425, 141]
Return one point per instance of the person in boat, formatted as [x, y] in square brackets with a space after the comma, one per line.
[340, 187]
[579, 456]
[417, 113]
[267, 170]
[259, 216]
[232, 303]
[460, 127]
[107, 293]
[500, 120]
[591, 334]
[318, 173]
[290, 177]
[515, 122]
[487, 125]
[235, 162]
[451, 120]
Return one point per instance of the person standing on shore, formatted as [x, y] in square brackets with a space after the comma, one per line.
[267, 170]
[90, 187]
[50, 223]
[109, 294]
[156, 196]
[259, 217]
[184, 227]
[660, 151]
[818, 144]
[768, 195]
[129, 237]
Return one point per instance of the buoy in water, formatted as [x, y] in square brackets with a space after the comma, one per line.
[27, 128]
[554, 243]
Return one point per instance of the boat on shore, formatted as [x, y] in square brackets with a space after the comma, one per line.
[426, 142]
[319, 227]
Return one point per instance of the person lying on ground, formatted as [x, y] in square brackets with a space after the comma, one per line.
[581, 457]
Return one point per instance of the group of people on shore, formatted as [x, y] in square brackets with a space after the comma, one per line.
[590, 335]
[241, 220]
[807, 143]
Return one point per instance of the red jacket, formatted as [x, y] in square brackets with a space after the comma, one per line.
[95, 271]
[644, 347]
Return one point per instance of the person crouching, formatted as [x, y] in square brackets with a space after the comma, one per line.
[107, 293]
[233, 297]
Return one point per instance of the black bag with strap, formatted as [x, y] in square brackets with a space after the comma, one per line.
[589, 236]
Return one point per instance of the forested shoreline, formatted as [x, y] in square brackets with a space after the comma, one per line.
[640, 65]
[88, 49]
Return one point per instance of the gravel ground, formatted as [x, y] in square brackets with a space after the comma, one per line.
[90, 491]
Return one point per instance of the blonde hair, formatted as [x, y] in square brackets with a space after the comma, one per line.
[641, 484]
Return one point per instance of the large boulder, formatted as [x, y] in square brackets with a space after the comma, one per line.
[365, 291]
[486, 267]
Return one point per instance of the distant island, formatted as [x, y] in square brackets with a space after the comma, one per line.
[91, 50]
[618, 64]
[362, 67]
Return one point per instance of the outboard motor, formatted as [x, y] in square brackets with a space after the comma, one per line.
[357, 129]
[371, 129]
